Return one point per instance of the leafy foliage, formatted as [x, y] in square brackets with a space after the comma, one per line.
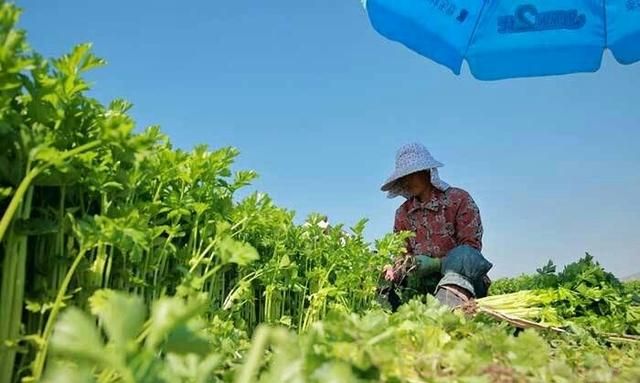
[422, 342]
[584, 293]
[178, 273]
[99, 206]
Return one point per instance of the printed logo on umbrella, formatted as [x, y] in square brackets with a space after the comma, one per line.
[528, 19]
[450, 9]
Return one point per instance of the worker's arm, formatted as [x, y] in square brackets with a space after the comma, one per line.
[468, 223]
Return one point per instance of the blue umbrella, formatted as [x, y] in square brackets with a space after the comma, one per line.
[513, 38]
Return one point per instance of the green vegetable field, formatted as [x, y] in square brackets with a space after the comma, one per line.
[123, 259]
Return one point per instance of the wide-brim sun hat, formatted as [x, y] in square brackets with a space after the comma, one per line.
[412, 158]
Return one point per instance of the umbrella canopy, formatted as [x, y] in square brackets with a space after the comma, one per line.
[513, 38]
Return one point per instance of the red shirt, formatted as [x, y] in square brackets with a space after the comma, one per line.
[451, 218]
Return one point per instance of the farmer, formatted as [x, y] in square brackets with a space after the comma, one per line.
[443, 257]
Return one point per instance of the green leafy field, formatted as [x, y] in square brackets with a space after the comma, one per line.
[123, 259]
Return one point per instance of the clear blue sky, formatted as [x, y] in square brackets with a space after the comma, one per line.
[318, 103]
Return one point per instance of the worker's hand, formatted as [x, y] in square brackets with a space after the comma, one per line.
[389, 274]
[427, 265]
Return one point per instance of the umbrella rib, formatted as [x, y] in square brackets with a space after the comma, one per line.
[475, 28]
[606, 24]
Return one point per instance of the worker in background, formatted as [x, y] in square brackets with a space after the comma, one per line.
[443, 257]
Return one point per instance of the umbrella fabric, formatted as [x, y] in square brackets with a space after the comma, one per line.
[509, 38]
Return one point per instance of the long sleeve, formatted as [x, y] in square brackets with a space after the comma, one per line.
[468, 224]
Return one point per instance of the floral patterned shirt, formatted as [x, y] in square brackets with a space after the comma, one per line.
[451, 218]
